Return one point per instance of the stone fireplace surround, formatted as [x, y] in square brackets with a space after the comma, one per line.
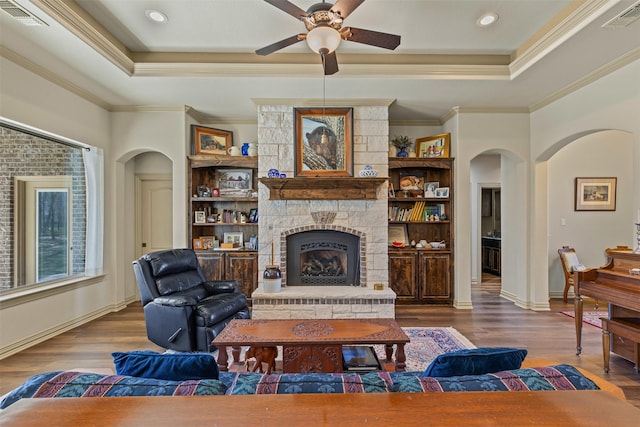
[365, 218]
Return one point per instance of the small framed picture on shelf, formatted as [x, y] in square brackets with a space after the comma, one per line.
[436, 146]
[253, 215]
[207, 242]
[430, 189]
[234, 237]
[442, 192]
[392, 192]
[412, 182]
[215, 192]
[198, 245]
[203, 191]
[398, 236]
[200, 217]
[209, 141]
[235, 182]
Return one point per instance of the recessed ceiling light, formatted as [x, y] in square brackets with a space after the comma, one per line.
[487, 19]
[156, 16]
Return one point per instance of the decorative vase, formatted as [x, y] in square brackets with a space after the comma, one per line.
[368, 172]
[273, 173]
[272, 279]
[402, 152]
[245, 149]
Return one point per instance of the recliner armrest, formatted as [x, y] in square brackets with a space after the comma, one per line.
[214, 287]
[176, 300]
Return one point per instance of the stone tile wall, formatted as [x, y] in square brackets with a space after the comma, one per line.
[368, 218]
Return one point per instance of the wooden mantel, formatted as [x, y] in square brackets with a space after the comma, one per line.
[334, 188]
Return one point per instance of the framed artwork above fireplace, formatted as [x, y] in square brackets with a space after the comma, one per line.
[323, 142]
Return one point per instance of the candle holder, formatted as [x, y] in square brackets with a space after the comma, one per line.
[637, 250]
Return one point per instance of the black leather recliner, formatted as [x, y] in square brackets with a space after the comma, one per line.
[183, 311]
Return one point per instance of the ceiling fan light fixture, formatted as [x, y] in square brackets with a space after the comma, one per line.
[487, 19]
[323, 39]
[156, 16]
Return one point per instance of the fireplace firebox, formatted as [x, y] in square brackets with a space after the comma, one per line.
[323, 258]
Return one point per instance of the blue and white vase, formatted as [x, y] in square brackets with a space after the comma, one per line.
[402, 152]
[273, 173]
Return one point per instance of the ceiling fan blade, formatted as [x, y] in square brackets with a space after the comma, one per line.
[288, 7]
[329, 63]
[280, 45]
[345, 7]
[373, 38]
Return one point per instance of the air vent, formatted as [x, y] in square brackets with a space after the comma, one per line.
[626, 18]
[20, 14]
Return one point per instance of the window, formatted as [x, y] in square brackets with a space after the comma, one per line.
[50, 209]
[42, 214]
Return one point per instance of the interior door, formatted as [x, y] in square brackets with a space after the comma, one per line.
[156, 213]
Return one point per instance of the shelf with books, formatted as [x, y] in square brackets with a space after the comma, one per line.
[421, 208]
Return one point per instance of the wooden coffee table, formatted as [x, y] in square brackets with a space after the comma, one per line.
[313, 345]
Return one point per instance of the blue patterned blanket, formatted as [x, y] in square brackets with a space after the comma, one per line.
[77, 384]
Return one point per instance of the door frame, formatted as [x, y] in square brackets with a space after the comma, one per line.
[478, 245]
[139, 179]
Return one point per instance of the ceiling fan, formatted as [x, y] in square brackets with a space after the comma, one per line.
[325, 31]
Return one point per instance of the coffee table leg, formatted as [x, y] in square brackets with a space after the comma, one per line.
[388, 349]
[222, 358]
[235, 352]
[400, 358]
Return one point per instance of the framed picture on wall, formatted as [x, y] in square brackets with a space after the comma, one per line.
[595, 194]
[323, 142]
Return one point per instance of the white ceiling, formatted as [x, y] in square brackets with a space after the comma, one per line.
[203, 57]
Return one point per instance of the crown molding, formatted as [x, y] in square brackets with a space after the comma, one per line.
[567, 23]
[251, 69]
[492, 110]
[434, 122]
[147, 108]
[75, 19]
[481, 110]
[311, 102]
[54, 78]
[597, 74]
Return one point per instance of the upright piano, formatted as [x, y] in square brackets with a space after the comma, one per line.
[619, 285]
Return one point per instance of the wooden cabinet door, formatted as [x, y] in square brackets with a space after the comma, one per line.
[312, 359]
[435, 277]
[212, 265]
[243, 267]
[402, 275]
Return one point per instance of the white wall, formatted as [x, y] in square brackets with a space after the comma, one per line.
[507, 134]
[31, 100]
[139, 132]
[602, 154]
[612, 102]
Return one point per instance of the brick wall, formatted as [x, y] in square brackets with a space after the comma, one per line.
[27, 155]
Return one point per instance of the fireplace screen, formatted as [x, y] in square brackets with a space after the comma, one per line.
[323, 257]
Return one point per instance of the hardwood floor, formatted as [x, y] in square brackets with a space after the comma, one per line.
[493, 322]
